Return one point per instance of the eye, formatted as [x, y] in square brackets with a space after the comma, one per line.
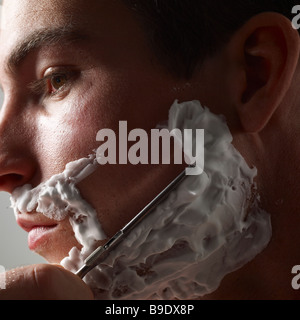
[56, 82]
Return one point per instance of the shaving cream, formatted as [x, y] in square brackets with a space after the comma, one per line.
[208, 227]
[58, 196]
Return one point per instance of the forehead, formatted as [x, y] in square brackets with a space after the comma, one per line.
[21, 17]
[106, 22]
[52, 11]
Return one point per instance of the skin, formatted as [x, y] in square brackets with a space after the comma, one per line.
[252, 81]
[117, 72]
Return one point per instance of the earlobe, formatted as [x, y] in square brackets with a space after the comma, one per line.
[269, 49]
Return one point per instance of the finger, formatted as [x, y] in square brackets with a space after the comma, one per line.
[44, 282]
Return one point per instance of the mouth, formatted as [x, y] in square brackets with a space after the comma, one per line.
[38, 233]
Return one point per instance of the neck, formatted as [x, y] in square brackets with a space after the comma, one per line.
[269, 275]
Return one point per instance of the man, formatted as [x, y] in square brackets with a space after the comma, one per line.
[70, 68]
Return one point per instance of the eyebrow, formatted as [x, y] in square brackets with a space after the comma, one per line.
[40, 38]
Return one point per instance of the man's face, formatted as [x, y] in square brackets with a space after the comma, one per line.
[68, 69]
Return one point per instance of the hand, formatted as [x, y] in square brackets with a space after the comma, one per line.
[44, 282]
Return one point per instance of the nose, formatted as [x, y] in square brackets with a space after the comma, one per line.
[14, 173]
[16, 165]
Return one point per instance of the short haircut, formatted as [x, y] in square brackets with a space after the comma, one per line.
[185, 32]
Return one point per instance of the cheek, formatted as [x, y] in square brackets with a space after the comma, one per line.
[58, 142]
[68, 130]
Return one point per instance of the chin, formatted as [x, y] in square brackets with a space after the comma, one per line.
[56, 246]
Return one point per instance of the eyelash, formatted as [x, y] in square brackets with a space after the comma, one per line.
[41, 87]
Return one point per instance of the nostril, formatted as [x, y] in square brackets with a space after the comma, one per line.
[9, 182]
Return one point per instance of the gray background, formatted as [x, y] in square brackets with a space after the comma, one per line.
[14, 251]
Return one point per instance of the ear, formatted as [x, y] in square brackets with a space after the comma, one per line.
[266, 52]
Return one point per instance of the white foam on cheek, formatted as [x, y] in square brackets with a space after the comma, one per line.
[58, 197]
[210, 226]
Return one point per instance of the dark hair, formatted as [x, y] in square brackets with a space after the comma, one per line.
[185, 32]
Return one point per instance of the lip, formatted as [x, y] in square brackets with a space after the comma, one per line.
[38, 233]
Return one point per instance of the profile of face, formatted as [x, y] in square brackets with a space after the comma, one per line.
[76, 68]
[71, 68]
